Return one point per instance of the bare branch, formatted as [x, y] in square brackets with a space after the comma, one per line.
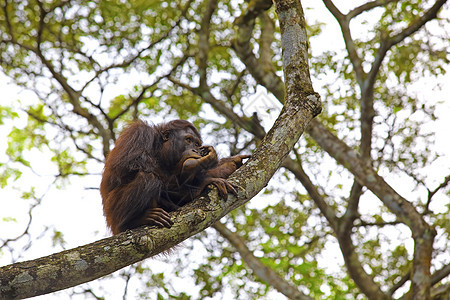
[296, 168]
[436, 277]
[203, 43]
[352, 208]
[220, 106]
[342, 231]
[241, 44]
[266, 274]
[368, 6]
[265, 41]
[422, 233]
[400, 283]
[417, 24]
[440, 274]
[344, 21]
[433, 192]
[127, 62]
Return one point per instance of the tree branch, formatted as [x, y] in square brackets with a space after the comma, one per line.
[203, 43]
[245, 23]
[367, 6]
[344, 21]
[351, 212]
[440, 274]
[264, 273]
[82, 264]
[417, 24]
[265, 42]
[343, 234]
[221, 107]
[365, 175]
[144, 89]
[422, 233]
[433, 192]
[296, 168]
[435, 279]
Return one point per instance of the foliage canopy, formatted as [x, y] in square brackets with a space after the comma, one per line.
[93, 66]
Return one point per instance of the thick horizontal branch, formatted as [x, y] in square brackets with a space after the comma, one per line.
[89, 262]
[82, 264]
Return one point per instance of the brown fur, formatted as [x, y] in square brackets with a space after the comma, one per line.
[156, 169]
